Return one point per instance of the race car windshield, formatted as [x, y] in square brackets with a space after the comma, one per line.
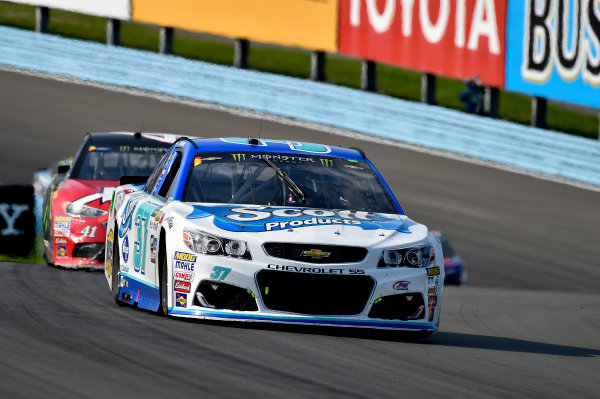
[110, 163]
[325, 182]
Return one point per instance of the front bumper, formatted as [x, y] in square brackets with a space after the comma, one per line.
[333, 295]
[81, 244]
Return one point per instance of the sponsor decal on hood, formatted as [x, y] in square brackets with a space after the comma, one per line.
[263, 218]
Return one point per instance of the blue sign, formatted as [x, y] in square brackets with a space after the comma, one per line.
[553, 50]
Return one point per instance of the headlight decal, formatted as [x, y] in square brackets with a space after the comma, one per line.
[210, 244]
[417, 256]
[78, 209]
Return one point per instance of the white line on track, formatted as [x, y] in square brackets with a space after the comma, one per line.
[247, 113]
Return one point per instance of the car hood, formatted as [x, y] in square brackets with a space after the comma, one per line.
[95, 193]
[340, 227]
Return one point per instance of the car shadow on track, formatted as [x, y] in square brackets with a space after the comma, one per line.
[440, 338]
[508, 344]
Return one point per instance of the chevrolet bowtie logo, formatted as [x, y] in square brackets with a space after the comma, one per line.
[316, 253]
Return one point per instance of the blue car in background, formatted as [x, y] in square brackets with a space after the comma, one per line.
[456, 273]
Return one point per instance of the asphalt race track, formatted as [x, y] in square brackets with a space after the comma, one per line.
[527, 325]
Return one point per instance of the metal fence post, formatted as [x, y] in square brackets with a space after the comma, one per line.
[317, 66]
[165, 40]
[368, 77]
[491, 101]
[42, 19]
[538, 112]
[428, 88]
[240, 55]
[113, 32]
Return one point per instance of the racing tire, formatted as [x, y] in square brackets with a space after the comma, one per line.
[116, 272]
[46, 251]
[163, 309]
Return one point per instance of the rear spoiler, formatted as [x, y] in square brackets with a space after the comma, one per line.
[133, 180]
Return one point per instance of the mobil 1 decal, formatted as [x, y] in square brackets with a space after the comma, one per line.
[553, 49]
[262, 218]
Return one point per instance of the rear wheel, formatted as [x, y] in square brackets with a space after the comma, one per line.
[116, 272]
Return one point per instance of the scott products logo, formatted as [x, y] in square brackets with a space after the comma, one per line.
[262, 218]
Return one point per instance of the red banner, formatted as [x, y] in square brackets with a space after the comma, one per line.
[454, 38]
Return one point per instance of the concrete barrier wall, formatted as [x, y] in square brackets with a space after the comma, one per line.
[535, 150]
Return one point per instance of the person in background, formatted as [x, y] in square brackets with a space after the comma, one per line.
[472, 96]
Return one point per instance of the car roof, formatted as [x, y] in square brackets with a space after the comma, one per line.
[131, 138]
[272, 146]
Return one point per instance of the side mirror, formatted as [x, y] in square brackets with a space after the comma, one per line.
[133, 180]
[62, 169]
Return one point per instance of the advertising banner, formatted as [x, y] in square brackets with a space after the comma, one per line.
[17, 226]
[553, 50]
[310, 24]
[117, 9]
[454, 38]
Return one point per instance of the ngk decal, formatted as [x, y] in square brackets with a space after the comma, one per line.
[458, 38]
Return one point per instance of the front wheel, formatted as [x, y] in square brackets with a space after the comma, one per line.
[116, 272]
[163, 309]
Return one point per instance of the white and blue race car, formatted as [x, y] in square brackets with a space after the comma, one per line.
[272, 231]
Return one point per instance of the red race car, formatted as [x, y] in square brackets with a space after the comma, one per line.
[76, 204]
